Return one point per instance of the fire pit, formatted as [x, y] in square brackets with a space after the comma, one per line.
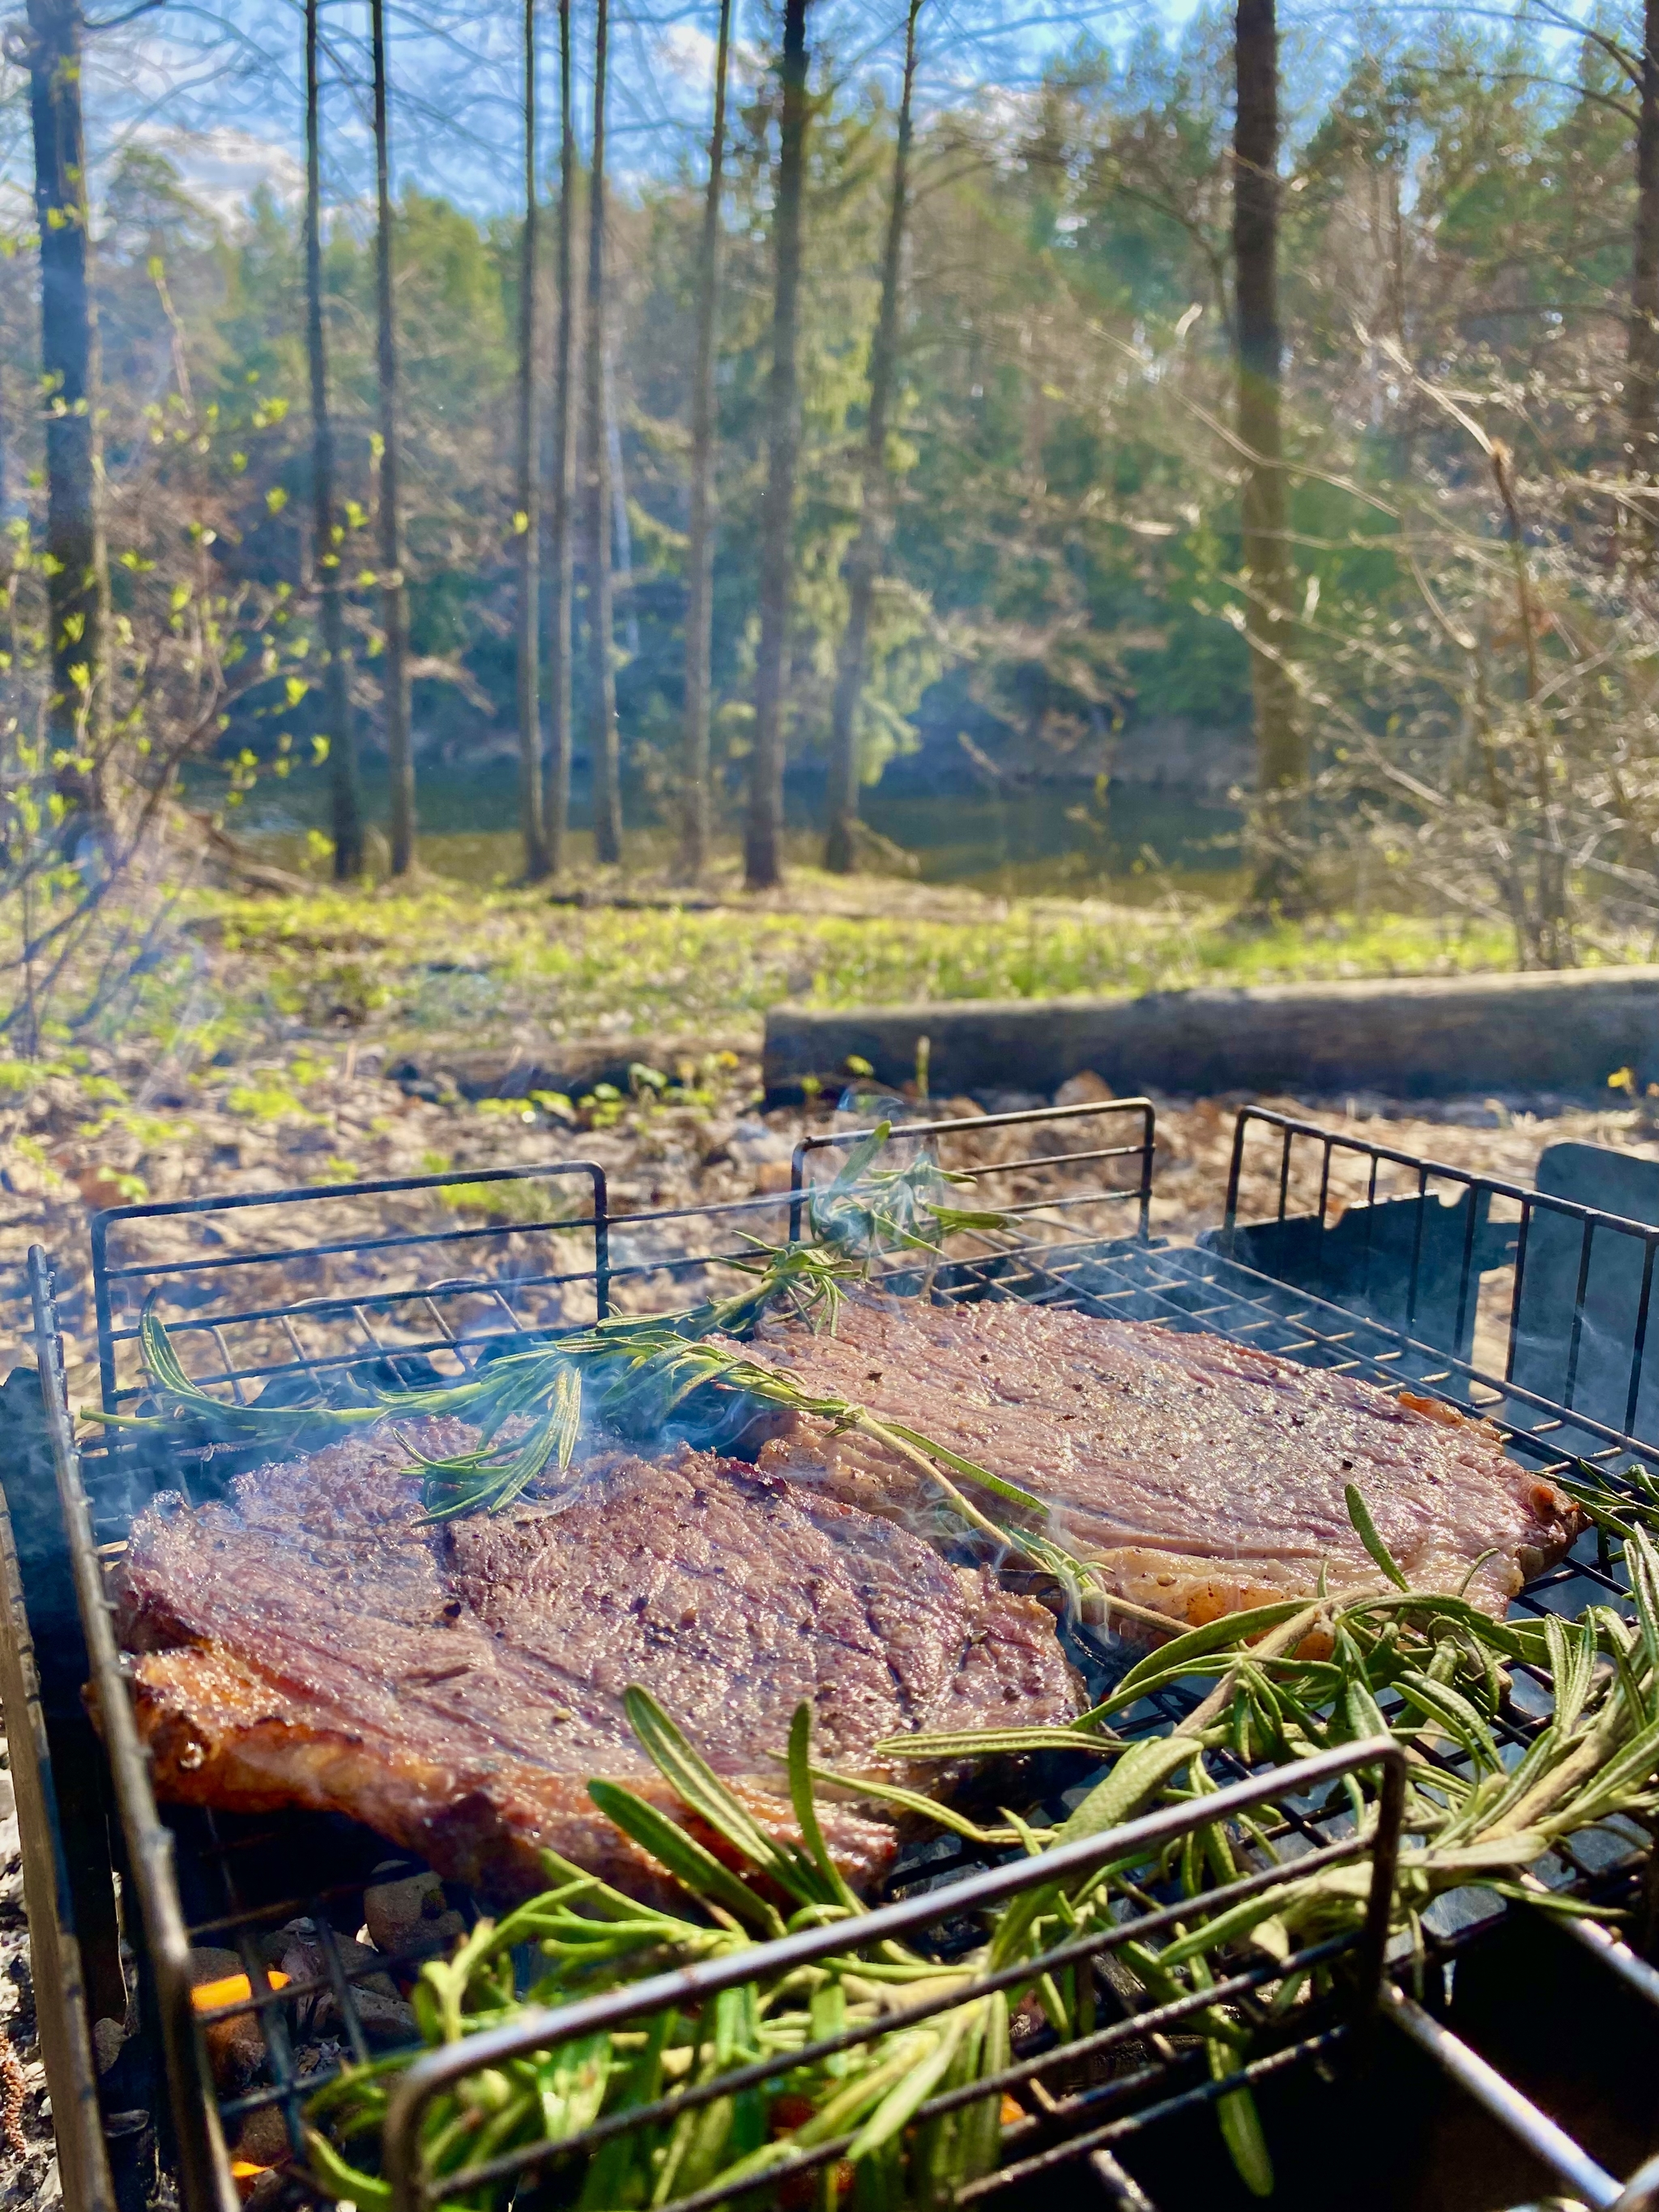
[270, 1951]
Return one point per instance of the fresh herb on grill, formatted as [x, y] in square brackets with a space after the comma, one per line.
[534, 1395]
[866, 1209]
[636, 1373]
[1616, 1511]
[527, 1406]
[639, 1374]
[1428, 1668]
[1290, 1679]
[862, 2100]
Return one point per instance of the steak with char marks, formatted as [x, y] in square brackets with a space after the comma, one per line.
[1203, 1477]
[308, 1642]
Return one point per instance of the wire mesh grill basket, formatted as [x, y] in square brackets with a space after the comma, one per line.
[1520, 1307]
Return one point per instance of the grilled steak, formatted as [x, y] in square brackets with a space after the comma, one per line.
[308, 1643]
[1202, 1476]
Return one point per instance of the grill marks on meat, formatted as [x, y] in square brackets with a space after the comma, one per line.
[1204, 1477]
[307, 1642]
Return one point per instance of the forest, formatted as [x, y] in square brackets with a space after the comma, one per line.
[1237, 405]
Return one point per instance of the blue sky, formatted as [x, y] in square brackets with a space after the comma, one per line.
[218, 88]
[216, 84]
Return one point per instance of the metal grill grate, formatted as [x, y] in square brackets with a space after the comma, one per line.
[299, 1295]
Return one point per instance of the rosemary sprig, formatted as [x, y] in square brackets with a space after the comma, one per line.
[1422, 1666]
[869, 1210]
[1615, 1511]
[527, 1404]
[589, 1937]
[637, 1374]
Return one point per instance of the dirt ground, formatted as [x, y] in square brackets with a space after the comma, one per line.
[703, 1140]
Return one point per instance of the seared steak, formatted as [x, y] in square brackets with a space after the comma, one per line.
[1203, 1477]
[308, 1643]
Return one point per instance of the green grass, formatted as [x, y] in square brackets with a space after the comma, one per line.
[450, 959]
[240, 975]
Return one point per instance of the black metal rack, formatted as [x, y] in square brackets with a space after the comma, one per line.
[295, 1293]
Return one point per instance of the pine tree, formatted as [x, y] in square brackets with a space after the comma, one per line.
[76, 582]
[603, 748]
[1642, 376]
[527, 521]
[1280, 755]
[699, 555]
[562, 547]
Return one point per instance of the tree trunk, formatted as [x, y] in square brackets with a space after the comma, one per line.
[75, 584]
[603, 746]
[345, 804]
[527, 520]
[622, 538]
[562, 551]
[1281, 761]
[864, 561]
[762, 845]
[1641, 371]
[394, 602]
[700, 559]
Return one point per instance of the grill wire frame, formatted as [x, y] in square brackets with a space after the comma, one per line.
[1191, 1286]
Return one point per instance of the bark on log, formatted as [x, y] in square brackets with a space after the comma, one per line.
[1432, 1036]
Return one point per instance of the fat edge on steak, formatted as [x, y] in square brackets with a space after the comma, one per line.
[1200, 1476]
[308, 1643]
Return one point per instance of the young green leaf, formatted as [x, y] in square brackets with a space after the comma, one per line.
[694, 1869]
[1365, 1529]
[688, 1773]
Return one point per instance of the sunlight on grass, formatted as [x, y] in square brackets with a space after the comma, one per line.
[444, 957]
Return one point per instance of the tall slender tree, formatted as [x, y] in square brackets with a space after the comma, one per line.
[76, 581]
[700, 559]
[764, 838]
[527, 520]
[561, 551]
[869, 547]
[394, 600]
[621, 536]
[327, 537]
[1641, 369]
[1281, 757]
[603, 748]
